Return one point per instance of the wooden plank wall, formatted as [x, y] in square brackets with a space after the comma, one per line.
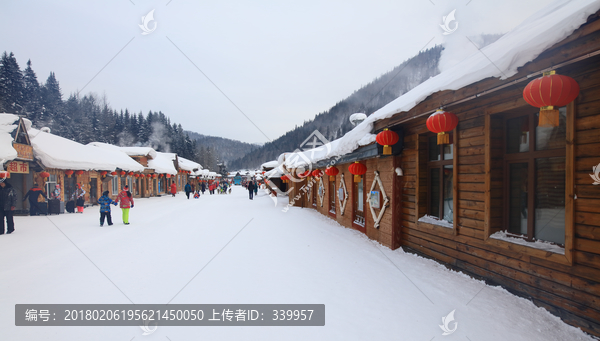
[385, 166]
[571, 291]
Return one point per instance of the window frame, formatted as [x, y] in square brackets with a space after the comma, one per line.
[566, 258]
[528, 157]
[355, 201]
[439, 164]
[332, 198]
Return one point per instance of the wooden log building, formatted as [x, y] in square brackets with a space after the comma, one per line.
[501, 174]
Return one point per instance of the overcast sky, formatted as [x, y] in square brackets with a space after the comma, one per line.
[279, 62]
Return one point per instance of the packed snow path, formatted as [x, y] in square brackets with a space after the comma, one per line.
[248, 252]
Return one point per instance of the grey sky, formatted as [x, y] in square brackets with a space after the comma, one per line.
[280, 62]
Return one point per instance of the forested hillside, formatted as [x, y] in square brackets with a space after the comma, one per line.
[87, 118]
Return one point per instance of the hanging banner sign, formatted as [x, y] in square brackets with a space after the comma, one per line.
[24, 151]
[18, 167]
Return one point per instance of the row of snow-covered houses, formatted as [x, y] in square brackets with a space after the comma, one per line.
[507, 200]
[31, 156]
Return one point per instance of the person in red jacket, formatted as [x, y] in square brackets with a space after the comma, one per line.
[126, 202]
[173, 188]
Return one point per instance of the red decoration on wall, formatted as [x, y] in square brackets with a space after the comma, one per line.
[103, 173]
[387, 138]
[79, 172]
[44, 175]
[357, 169]
[332, 172]
[317, 173]
[441, 122]
[123, 173]
[69, 173]
[113, 173]
[549, 91]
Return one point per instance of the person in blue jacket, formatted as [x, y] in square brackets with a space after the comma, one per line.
[105, 202]
[188, 190]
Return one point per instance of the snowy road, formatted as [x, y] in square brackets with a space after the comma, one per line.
[255, 254]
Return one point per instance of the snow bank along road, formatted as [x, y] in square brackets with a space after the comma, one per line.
[369, 291]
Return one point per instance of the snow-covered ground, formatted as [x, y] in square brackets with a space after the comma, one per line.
[369, 291]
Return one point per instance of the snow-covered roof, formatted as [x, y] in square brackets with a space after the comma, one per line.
[188, 165]
[269, 164]
[163, 163]
[131, 151]
[8, 123]
[516, 48]
[54, 151]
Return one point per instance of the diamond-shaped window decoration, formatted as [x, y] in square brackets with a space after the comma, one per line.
[342, 195]
[321, 191]
[386, 200]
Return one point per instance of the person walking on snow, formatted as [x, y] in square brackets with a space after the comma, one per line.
[126, 202]
[173, 189]
[188, 190]
[79, 195]
[105, 202]
[203, 188]
[8, 203]
[256, 188]
[33, 194]
[251, 189]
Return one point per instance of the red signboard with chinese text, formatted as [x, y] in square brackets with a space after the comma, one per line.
[18, 167]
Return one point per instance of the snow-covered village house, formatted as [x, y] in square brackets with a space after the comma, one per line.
[506, 198]
[16, 157]
[69, 163]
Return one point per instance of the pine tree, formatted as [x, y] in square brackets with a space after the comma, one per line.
[32, 99]
[52, 105]
[11, 85]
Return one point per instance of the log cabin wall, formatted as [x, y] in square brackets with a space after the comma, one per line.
[567, 285]
[388, 232]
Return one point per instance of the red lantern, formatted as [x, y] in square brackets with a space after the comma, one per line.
[103, 173]
[130, 173]
[69, 173]
[304, 174]
[123, 173]
[387, 138]
[4, 175]
[357, 169]
[317, 173]
[284, 178]
[332, 172]
[113, 173]
[441, 122]
[549, 91]
[168, 176]
[79, 172]
[137, 175]
[44, 175]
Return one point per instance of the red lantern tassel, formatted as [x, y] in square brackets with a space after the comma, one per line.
[443, 138]
[549, 117]
[387, 150]
[357, 178]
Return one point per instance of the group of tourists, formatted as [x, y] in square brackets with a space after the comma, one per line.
[220, 187]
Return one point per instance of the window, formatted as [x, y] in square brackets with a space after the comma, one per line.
[534, 180]
[440, 175]
[358, 206]
[50, 185]
[332, 195]
[115, 185]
